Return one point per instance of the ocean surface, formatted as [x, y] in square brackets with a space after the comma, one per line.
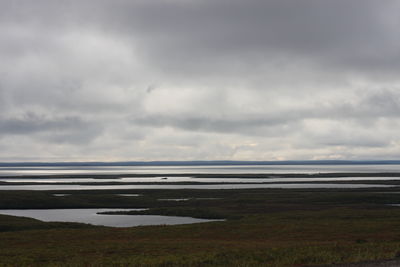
[222, 169]
[10, 181]
[196, 186]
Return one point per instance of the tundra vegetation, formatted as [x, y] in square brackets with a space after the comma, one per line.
[262, 227]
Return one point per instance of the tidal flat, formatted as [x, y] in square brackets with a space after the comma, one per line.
[257, 227]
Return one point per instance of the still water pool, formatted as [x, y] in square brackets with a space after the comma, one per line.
[90, 216]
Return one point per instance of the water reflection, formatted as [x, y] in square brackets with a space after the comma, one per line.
[190, 186]
[12, 171]
[172, 179]
[90, 216]
[173, 199]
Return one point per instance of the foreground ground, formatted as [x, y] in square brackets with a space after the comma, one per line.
[264, 227]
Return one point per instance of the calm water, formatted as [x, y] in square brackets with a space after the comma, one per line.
[90, 216]
[7, 174]
[194, 179]
[195, 186]
[11, 171]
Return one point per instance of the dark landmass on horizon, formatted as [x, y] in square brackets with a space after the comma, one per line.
[198, 163]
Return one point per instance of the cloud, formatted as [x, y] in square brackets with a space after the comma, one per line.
[50, 129]
[198, 38]
[225, 79]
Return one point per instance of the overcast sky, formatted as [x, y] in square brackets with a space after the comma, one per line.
[118, 80]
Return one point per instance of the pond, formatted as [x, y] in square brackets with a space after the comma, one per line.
[90, 216]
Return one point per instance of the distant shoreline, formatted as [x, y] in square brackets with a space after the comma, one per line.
[199, 163]
[209, 175]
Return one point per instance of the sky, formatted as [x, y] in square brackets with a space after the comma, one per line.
[120, 80]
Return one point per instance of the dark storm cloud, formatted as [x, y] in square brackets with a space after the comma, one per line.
[201, 36]
[198, 36]
[72, 130]
[225, 125]
[31, 123]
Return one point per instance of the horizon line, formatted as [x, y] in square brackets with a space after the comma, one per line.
[196, 162]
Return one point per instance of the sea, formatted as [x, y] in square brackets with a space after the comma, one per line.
[214, 169]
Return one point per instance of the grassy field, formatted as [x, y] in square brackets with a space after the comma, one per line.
[263, 227]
